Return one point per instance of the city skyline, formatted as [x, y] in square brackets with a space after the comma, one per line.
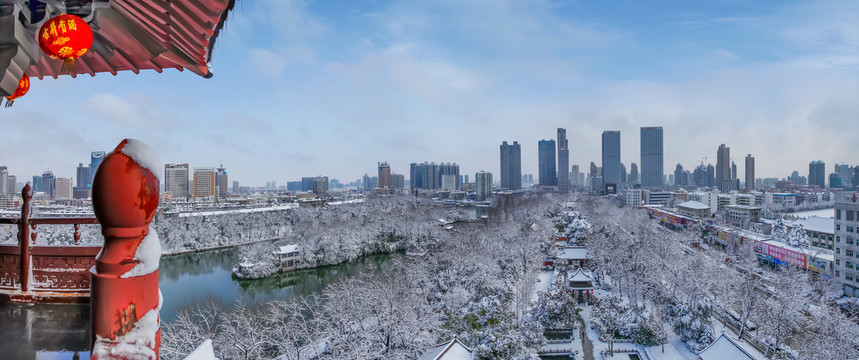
[747, 75]
[97, 155]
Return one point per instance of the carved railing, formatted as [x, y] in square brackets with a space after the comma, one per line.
[30, 273]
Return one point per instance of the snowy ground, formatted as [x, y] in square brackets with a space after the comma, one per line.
[827, 213]
[546, 278]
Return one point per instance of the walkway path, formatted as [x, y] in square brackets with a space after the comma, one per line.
[587, 345]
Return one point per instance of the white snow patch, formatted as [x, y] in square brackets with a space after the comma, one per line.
[148, 254]
[203, 352]
[144, 155]
[137, 343]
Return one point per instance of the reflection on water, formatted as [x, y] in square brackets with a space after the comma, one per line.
[62, 331]
[44, 331]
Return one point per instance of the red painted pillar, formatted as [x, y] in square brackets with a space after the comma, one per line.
[24, 238]
[125, 300]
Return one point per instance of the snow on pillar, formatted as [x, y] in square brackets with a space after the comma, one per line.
[125, 299]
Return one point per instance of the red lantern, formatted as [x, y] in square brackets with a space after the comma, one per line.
[23, 87]
[65, 37]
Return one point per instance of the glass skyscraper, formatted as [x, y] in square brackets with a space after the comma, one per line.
[563, 162]
[611, 157]
[651, 157]
[95, 160]
[511, 166]
[546, 161]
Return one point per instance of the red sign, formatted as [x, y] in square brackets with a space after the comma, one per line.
[783, 254]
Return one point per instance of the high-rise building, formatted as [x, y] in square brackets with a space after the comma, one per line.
[204, 182]
[428, 175]
[711, 176]
[734, 175]
[4, 185]
[82, 178]
[49, 184]
[384, 176]
[750, 173]
[594, 170]
[37, 184]
[63, 188]
[622, 173]
[817, 174]
[611, 157]
[845, 172]
[483, 184]
[95, 160]
[546, 160]
[398, 181]
[448, 169]
[307, 183]
[11, 184]
[236, 188]
[563, 162]
[448, 182]
[633, 173]
[835, 180]
[846, 246]
[320, 185]
[723, 169]
[221, 181]
[511, 166]
[574, 176]
[678, 171]
[651, 157]
[176, 180]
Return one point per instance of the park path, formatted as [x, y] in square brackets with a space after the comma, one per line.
[587, 345]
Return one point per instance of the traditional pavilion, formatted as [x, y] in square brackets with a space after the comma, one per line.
[725, 348]
[581, 284]
[128, 35]
[287, 257]
[449, 350]
[575, 256]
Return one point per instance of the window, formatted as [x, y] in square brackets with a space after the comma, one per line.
[837, 214]
[849, 229]
[849, 241]
[838, 250]
[848, 253]
[838, 262]
[837, 227]
[849, 265]
[838, 239]
[848, 277]
[837, 273]
[849, 215]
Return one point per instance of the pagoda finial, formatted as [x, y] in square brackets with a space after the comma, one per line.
[125, 300]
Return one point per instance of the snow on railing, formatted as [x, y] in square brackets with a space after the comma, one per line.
[125, 302]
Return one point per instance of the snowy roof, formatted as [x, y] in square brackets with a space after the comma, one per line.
[694, 205]
[287, 249]
[451, 350]
[579, 276]
[574, 253]
[724, 348]
[816, 224]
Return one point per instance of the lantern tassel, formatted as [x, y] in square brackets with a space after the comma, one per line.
[9, 102]
[68, 64]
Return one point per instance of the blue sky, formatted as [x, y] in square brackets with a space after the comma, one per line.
[331, 87]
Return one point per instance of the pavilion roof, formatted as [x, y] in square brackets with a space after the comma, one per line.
[128, 35]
